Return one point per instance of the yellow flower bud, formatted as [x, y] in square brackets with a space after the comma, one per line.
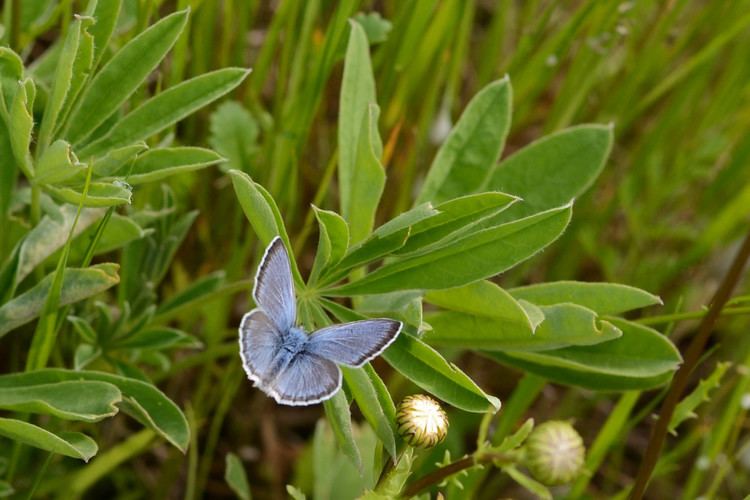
[421, 421]
[555, 453]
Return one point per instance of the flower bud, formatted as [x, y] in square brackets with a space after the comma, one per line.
[555, 453]
[421, 421]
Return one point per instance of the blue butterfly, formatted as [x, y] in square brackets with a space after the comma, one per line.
[284, 361]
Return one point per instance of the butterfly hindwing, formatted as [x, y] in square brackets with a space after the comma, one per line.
[354, 343]
[260, 343]
[307, 379]
[274, 287]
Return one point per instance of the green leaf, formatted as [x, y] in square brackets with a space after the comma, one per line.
[685, 409]
[88, 401]
[453, 216]
[473, 147]
[58, 164]
[552, 170]
[156, 164]
[21, 124]
[115, 159]
[641, 358]
[141, 400]
[473, 257]
[156, 338]
[200, 289]
[11, 71]
[602, 298]
[263, 214]
[340, 419]
[407, 219]
[118, 232]
[70, 444]
[167, 108]
[564, 325]
[333, 241]
[234, 135]
[49, 236]
[63, 80]
[516, 439]
[393, 484]
[106, 14]
[366, 396]
[427, 368]
[367, 179]
[531, 485]
[85, 355]
[100, 194]
[375, 26]
[356, 128]
[234, 475]
[122, 75]
[78, 284]
[295, 493]
[483, 298]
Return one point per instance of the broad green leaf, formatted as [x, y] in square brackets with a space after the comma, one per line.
[454, 215]
[263, 214]
[142, 400]
[155, 164]
[367, 399]
[370, 250]
[552, 170]
[63, 80]
[122, 75]
[685, 408]
[587, 379]
[106, 14]
[333, 241]
[88, 401]
[167, 108]
[50, 235]
[473, 147]
[476, 256]
[406, 306]
[82, 70]
[427, 368]
[340, 419]
[564, 325]
[483, 298]
[70, 444]
[11, 71]
[640, 358]
[21, 123]
[78, 284]
[407, 219]
[234, 475]
[355, 120]
[58, 164]
[602, 298]
[234, 135]
[100, 194]
[114, 160]
[367, 179]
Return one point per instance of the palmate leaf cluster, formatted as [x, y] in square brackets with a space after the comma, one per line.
[430, 266]
[81, 133]
[77, 135]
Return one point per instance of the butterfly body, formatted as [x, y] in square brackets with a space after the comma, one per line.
[288, 364]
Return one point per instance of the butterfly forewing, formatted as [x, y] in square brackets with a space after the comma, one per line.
[274, 287]
[306, 380]
[354, 343]
[260, 343]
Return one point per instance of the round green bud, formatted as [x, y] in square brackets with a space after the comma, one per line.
[421, 421]
[555, 453]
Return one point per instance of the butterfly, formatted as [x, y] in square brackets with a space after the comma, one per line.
[293, 367]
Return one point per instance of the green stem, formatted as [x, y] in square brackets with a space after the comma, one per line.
[38, 477]
[669, 318]
[682, 377]
[439, 475]
[15, 25]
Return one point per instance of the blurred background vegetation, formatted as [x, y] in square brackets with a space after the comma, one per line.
[666, 215]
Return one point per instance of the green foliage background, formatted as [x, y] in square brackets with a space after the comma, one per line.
[154, 287]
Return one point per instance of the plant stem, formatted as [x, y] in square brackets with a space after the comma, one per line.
[437, 476]
[682, 377]
[15, 25]
[669, 318]
[38, 477]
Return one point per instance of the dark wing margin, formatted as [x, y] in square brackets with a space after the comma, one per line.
[355, 343]
[260, 343]
[274, 288]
